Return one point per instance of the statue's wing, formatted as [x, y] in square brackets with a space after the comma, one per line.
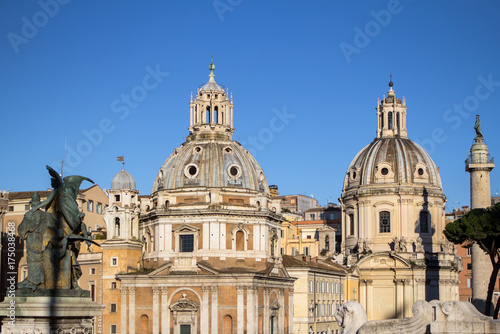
[72, 184]
[56, 178]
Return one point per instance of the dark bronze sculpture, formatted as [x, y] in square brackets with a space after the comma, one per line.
[477, 127]
[53, 230]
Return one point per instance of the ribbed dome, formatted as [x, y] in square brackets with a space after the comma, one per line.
[123, 180]
[392, 160]
[211, 163]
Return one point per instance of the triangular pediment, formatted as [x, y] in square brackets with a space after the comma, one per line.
[186, 228]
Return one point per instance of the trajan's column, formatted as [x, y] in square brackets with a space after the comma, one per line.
[479, 165]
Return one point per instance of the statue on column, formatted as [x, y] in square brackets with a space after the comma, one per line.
[53, 230]
[477, 127]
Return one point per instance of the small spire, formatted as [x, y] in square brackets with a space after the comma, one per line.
[211, 67]
[390, 82]
[122, 159]
[191, 97]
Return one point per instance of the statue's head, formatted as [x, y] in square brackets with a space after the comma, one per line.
[350, 316]
[35, 200]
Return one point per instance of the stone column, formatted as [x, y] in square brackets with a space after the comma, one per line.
[369, 297]
[204, 310]
[267, 314]
[399, 297]
[165, 313]
[479, 166]
[156, 310]
[256, 319]
[131, 309]
[251, 310]
[408, 298]
[281, 300]
[290, 310]
[215, 312]
[239, 310]
[123, 311]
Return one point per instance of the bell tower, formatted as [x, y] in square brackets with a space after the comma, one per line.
[479, 165]
[211, 112]
[391, 116]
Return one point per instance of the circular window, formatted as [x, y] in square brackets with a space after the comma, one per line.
[197, 149]
[353, 175]
[228, 150]
[191, 171]
[420, 171]
[234, 171]
[384, 171]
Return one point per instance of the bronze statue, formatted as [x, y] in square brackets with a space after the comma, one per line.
[477, 127]
[53, 236]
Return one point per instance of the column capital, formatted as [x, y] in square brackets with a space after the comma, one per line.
[156, 290]
[267, 291]
[240, 290]
[164, 290]
[214, 289]
[131, 290]
[205, 289]
[123, 291]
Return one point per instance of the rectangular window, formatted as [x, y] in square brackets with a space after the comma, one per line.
[469, 252]
[282, 251]
[468, 283]
[186, 243]
[92, 271]
[385, 221]
[312, 216]
[113, 285]
[322, 216]
[112, 308]
[294, 251]
[308, 237]
[113, 329]
[332, 216]
[114, 262]
[282, 233]
[351, 224]
[469, 266]
[307, 251]
[98, 207]
[117, 198]
[424, 224]
[311, 286]
[90, 206]
[92, 291]
[11, 208]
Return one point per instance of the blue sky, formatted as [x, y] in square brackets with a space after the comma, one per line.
[76, 71]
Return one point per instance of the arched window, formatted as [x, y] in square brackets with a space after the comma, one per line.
[117, 227]
[144, 324]
[228, 325]
[424, 223]
[390, 120]
[397, 121]
[216, 112]
[167, 204]
[385, 221]
[208, 115]
[381, 121]
[240, 241]
[327, 243]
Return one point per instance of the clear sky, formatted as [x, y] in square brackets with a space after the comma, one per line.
[114, 78]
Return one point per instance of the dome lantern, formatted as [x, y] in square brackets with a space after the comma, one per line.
[391, 115]
[211, 113]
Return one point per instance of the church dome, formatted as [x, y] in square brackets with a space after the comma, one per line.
[210, 158]
[123, 180]
[211, 163]
[392, 160]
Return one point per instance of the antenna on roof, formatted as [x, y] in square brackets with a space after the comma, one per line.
[64, 157]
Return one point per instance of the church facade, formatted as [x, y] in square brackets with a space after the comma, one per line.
[201, 254]
[393, 216]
